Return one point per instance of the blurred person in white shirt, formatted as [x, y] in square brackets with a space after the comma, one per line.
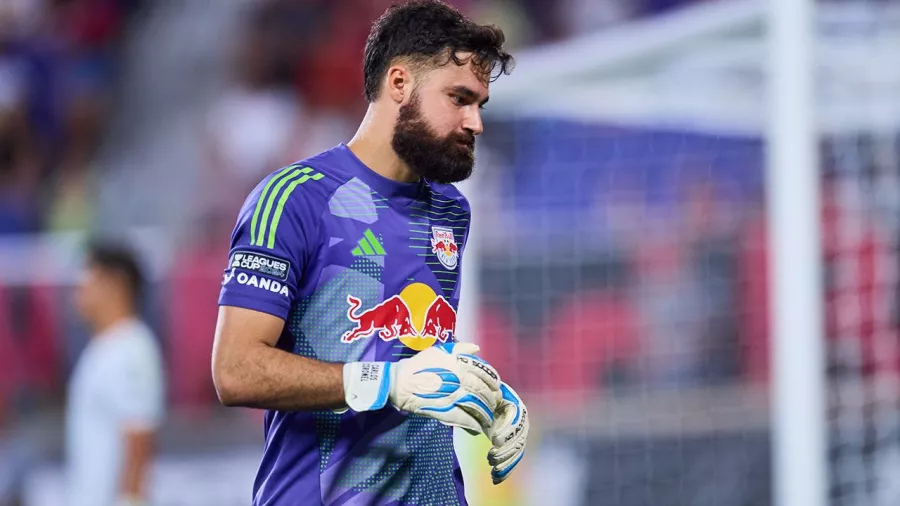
[116, 393]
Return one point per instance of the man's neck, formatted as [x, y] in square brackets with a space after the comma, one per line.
[372, 145]
[110, 320]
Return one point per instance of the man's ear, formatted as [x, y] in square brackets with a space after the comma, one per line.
[398, 83]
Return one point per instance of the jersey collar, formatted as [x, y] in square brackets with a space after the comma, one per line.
[385, 186]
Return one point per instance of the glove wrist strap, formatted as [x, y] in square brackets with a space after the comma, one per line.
[367, 385]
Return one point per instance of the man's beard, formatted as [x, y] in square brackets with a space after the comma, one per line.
[440, 159]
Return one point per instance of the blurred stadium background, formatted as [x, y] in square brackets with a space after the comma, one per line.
[617, 270]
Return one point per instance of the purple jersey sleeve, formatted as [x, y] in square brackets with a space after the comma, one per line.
[269, 246]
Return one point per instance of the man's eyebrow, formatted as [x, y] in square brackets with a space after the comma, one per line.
[469, 93]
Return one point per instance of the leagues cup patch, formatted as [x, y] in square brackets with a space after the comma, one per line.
[443, 245]
[263, 264]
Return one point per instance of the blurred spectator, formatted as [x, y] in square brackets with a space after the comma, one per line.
[709, 238]
[508, 15]
[334, 94]
[19, 165]
[57, 73]
[69, 193]
[671, 299]
[255, 126]
[90, 31]
[688, 294]
[547, 19]
[592, 341]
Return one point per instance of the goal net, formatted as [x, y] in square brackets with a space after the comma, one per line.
[622, 256]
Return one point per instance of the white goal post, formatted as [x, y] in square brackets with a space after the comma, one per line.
[799, 444]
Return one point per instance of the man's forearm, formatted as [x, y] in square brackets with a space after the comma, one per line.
[136, 464]
[269, 378]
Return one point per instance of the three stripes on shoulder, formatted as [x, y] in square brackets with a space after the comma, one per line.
[265, 222]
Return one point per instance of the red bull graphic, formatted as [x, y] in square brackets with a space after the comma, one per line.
[416, 316]
[391, 319]
[440, 320]
[443, 249]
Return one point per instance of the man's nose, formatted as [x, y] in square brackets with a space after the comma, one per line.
[473, 122]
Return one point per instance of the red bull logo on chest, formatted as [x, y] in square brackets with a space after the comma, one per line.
[417, 316]
[443, 245]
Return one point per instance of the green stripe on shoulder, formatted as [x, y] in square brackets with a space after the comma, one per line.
[279, 210]
[270, 201]
[270, 207]
[262, 197]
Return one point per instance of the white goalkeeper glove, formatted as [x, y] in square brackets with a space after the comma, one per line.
[448, 383]
[508, 434]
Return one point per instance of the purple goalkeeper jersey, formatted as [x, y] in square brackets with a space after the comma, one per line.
[361, 268]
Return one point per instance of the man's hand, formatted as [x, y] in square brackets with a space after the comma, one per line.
[448, 383]
[508, 433]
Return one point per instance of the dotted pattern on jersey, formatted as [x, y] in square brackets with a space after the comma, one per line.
[443, 212]
[381, 467]
[412, 463]
[431, 470]
[371, 266]
[319, 320]
[317, 324]
[328, 425]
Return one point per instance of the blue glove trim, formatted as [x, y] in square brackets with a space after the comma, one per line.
[511, 397]
[469, 398]
[449, 383]
[478, 402]
[384, 389]
[505, 472]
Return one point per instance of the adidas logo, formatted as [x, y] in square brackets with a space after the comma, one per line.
[368, 245]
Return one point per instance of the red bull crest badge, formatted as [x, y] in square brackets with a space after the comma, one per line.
[417, 317]
[443, 244]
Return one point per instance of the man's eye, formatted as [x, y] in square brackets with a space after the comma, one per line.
[458, 100]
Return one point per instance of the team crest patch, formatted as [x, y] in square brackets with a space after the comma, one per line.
[443, 244]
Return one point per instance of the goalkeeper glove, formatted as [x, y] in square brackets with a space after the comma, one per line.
[448, 383]
[508, 434]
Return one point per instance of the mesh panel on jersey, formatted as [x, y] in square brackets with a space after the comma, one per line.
[328, 425]
[412, 462]
[318, 323]
[431, 471]
[383, 468]
[369, 265]
[321, 318]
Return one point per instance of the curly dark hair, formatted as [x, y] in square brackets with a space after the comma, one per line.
[431, 32]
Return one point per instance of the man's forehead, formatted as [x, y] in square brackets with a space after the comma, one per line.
[468, 75]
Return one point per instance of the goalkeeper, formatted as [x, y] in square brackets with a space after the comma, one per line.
[338, 305]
